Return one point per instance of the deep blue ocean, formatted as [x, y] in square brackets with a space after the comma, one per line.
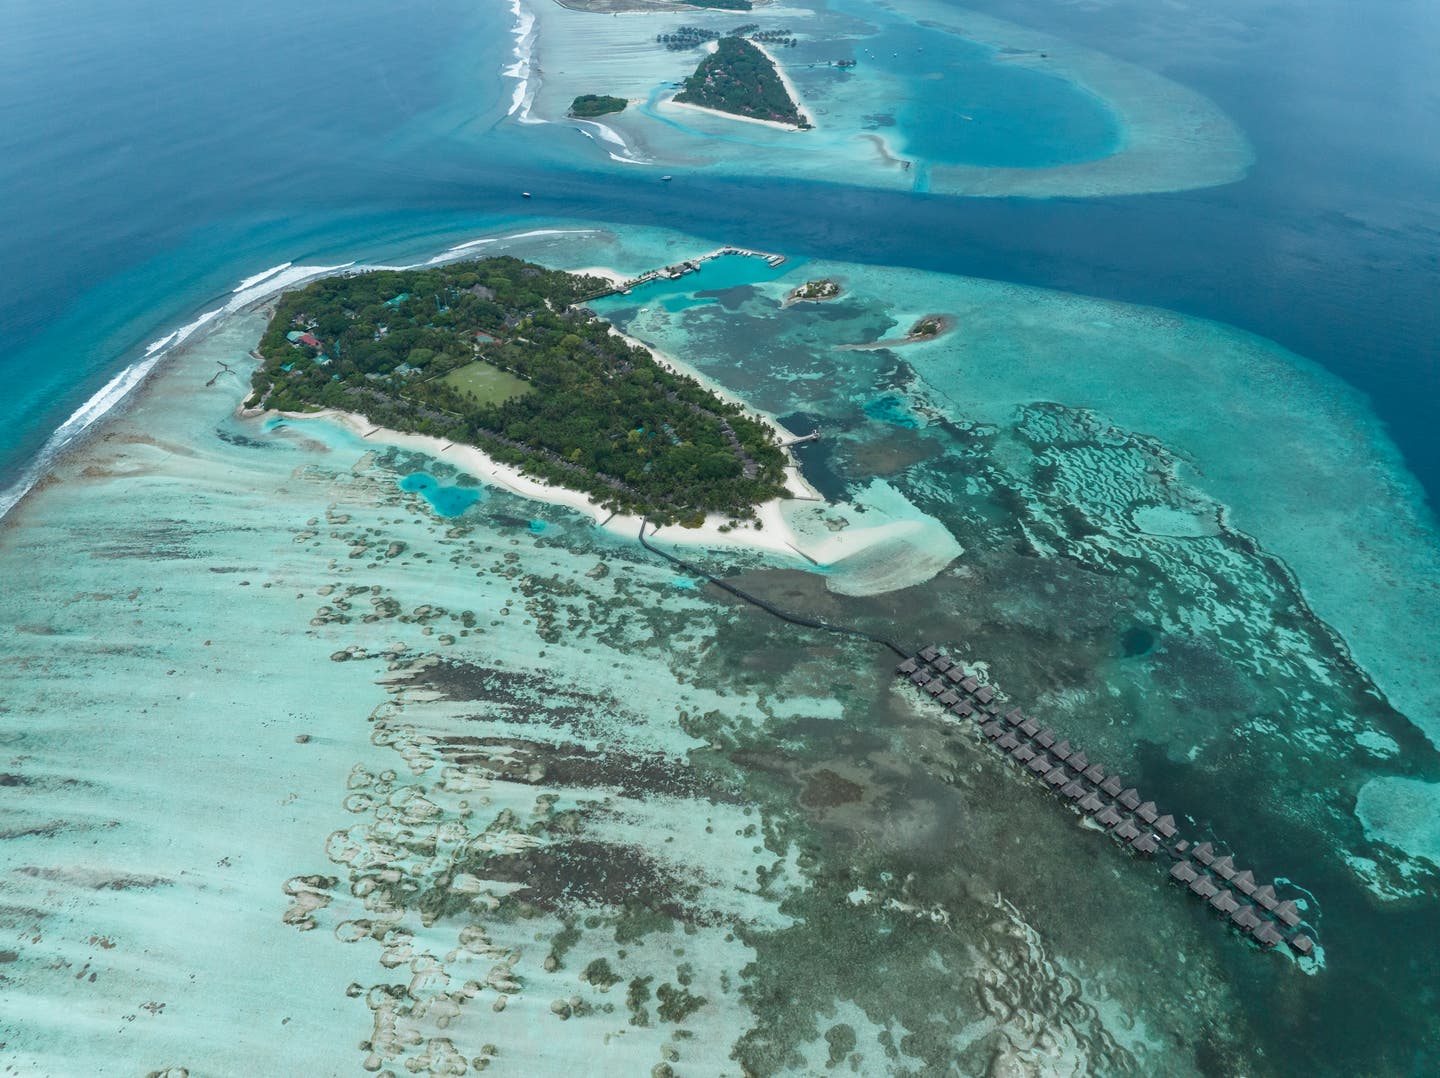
[153, 154]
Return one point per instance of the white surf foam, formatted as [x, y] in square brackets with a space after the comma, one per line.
[251, 281]
[523, 67]
[250, 290]
[610, 135]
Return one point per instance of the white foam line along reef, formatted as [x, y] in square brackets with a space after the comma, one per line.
[524, 95]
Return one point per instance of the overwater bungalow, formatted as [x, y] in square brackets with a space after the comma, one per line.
[1183, 872]
[1288, 912]
[1029, 727]
[963, 709]
[942, 664]
[1090, 804]
[1127, 831]
[1265, 896]
[1074, 791]
[1113, 785]
[1224, 902]
[984, 694]
[1147, 812]
[935, 686]
[968, 683]
[956, 676]
[1063, 751]
[1301, 944]
[1041, 764]
[1245, 917]
[1204, 853]
[1165, 826]
[1243, 881]
[908, 667]
[1013, 716]
[1266, 934]
[1145, 844]
[1224, 867]
[1022, 754]
[1045, 738]
[1008, 742]
[929, 653]
[1095, 773]
[1204, 886]
[949, 698]
[994, 731]
[1129, 798]
[1078, 762]
[1056, 777]
[920, 677]
[1108, 817]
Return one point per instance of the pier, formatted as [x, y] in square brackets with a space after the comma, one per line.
[1086, 786]
[680, 269]
[1121, 811]
[813, 436]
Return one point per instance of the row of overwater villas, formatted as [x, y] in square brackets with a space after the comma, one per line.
[1104, 797]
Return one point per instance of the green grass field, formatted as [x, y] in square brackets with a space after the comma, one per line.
[488, 385]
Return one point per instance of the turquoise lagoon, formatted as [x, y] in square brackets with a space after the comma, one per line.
[448, 500]
[426, 793]
[942, 99]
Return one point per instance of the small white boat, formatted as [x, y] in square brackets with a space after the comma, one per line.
[524, 194]
[667, 179]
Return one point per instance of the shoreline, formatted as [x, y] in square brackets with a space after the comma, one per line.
[790, 89]
[947, 323]
[775, 124]
[775, 536]
[785, 82]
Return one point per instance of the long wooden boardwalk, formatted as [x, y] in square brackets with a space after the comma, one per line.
[1231, 892]
[1234, 894]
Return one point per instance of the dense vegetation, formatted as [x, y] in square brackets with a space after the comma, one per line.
[587, 105]
[728, 5]
[821, 289]
[586, 410]
[737, 77]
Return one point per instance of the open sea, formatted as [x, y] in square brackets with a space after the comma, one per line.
[320, 757]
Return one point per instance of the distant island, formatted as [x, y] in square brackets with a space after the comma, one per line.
[588, 105]
[740, 79]
[496, 354]
[931, 325]
[815, 291]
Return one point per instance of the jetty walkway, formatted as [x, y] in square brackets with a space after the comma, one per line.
[680, 269]
[1092, 790]
[1089, 788]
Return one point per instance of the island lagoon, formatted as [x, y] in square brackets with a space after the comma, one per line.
[416, 774]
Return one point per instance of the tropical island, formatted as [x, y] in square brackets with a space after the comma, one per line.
[587, 106]
[497, 354]
[815, 291]
[739, 78]
[931, 325]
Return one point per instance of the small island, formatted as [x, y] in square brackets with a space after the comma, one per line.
[588, 106]
[496, 354]
[738, 78]
[931, 325]
[815, 291]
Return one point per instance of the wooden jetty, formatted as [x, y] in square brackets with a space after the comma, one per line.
[1120, 810]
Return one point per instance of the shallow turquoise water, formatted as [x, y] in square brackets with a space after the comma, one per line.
[527, 747]
[446, 500]
[489, 750]
[964, 104]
